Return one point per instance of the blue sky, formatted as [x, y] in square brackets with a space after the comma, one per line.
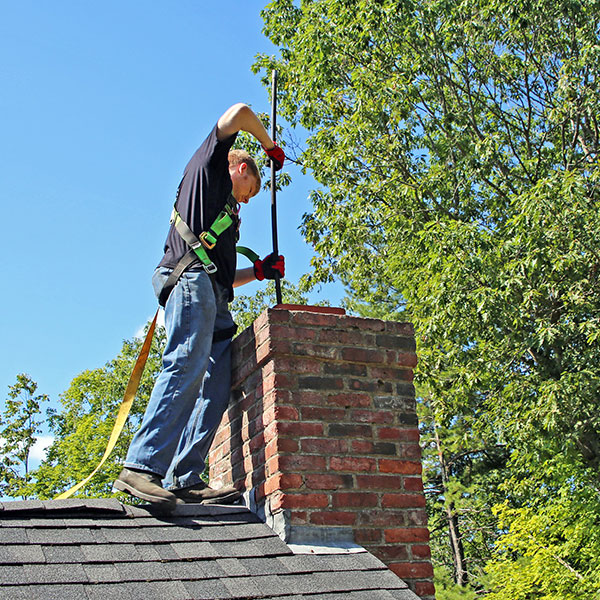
[102, 105]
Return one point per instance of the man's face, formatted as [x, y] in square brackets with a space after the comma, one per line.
[244, 184]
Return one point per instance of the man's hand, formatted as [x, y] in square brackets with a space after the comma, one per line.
[277, 155]
[270, 267]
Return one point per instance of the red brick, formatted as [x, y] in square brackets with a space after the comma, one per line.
[353, 464]
[322, 413]
[305, 501]
[324, 446]
[413, 484]
[291, 463]
[271, 449]
[279, 315]
[222, 435]
[390, 553]
[307, 398]
[277, 381]
[400, 329]
[408, 534]
[341, 336]
[349, 399]
[299, 429]
[411, 570]
[248, 464]
[285, 413]
[425, 589]
[317, 382]
[257, 442]
[349, 430]
[416, 516]
[411, 451]
[292, 333]
[299, 364]
[388, 373]
[407, 467]
[396, 433]
[406, 359]
[403, 500]
[362, 355]
[315, 319]
[278, 445]
[260, 323]
[282, 481]
[364, 324]
[370, 448]
[367, 536]
[363, 385]
[333, 518]
[421, 551]
[317, 351]
[384, 482]
[396, 342]
[372, 416]
[287, 445]
[383, 518]
[354, 499]
[327, 482]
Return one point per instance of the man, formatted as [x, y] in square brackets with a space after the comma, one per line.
[192, 391]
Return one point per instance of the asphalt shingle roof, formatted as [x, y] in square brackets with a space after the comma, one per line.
[102, 549]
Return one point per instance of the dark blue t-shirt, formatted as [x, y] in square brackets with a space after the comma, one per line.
[202, 194]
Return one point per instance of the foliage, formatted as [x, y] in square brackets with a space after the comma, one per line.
[83, 425]
[554, 563]
[250, 144]
[19, 424]
[446, 589]
[455, 147]
[246, 309]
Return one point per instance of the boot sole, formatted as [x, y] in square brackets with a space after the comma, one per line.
[129, 489]
[228, 499]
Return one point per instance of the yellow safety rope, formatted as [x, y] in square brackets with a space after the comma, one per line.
[130, 391]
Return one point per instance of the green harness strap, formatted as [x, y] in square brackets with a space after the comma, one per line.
[249, 254]
[207, 239]
[199, 244]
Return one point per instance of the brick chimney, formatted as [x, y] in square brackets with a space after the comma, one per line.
[322, 434]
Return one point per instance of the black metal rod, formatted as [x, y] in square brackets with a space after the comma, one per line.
[274, 181]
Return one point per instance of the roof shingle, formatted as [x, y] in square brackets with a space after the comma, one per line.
[101, 549]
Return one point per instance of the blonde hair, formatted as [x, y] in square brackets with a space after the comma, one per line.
[237, 157]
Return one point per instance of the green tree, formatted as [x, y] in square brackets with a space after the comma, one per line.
[455, 147]
[19, 427]
[83, 425]
[246, 309]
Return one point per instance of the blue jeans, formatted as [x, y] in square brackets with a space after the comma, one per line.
[192, 391]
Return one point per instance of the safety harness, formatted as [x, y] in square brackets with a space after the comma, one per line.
[207, 240]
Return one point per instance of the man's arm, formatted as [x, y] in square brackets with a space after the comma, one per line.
[243, 276]
[240, 117]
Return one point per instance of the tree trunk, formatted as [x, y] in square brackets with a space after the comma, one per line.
[461, 575]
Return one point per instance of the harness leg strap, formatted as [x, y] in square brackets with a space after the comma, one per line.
[174, 276]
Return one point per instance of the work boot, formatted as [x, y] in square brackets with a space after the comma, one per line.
[146, 486]
[201, 493]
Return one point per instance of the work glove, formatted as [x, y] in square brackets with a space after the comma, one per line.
[277, 155]
[270, 267]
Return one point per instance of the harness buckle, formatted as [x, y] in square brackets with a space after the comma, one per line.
[210, 269]
[208, 245]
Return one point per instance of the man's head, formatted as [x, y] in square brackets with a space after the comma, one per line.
[245, 177]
